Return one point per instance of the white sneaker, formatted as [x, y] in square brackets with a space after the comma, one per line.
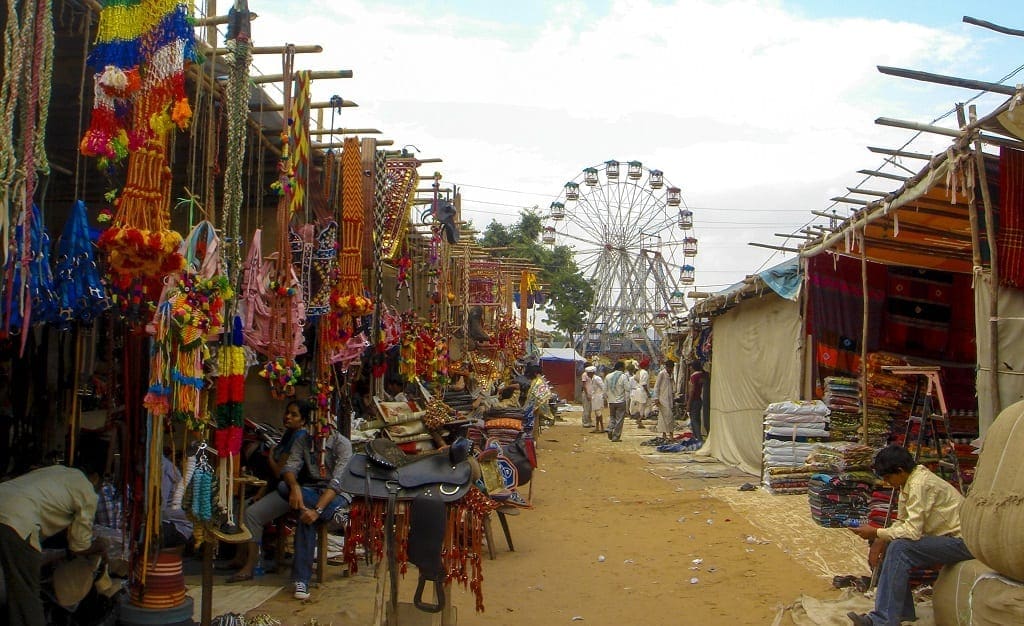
[301, 591]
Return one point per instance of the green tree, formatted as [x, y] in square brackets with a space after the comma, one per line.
[571, 293]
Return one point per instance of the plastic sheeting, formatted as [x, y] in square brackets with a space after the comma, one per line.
[756, 361]
[1011, 357]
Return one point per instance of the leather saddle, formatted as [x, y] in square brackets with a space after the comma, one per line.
[428, 483]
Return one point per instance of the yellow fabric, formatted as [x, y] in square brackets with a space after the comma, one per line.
[44, 502]
[928, 506]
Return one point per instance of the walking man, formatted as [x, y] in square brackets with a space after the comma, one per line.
[617, 386]
[695, 399]
[588, 372]
[664, 388]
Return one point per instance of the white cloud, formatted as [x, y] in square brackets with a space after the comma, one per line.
[742, 104]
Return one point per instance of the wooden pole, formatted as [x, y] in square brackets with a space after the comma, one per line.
[207, 581]
[902, 179]
[990, 234]
[312, 105]
[972, 210]
[318, 75]
[522, 304]
[770, 247]
[865, 304]
[952, 81]
[75, 416]
[948, 132]
[901, 153]
[868, 192]
[274, 50]
[996, 27]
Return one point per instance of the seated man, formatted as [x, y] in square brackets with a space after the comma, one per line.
[927, 532]
[317, 497]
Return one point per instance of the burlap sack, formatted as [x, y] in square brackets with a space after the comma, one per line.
[996, 601]
[951, 598]
[992, 516]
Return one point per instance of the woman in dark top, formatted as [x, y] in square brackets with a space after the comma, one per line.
[271, 505]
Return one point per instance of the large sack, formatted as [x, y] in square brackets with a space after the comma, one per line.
[997, 601]
[951, 598]
[992, 516]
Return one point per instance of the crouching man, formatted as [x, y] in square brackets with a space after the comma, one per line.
[927, 532]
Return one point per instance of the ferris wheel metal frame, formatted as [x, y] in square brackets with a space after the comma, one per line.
[631, 234]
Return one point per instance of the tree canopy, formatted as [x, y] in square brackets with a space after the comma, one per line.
[570, 293]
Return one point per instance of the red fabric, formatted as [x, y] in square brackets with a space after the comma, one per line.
[1010, 241]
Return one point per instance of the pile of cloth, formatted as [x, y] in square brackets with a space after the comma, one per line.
[791, 429]
[842, 397]
[841, 488]
[889, 397]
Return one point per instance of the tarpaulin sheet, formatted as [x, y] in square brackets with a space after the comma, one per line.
[1011, 356]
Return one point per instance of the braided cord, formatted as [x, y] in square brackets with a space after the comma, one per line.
[237, 103]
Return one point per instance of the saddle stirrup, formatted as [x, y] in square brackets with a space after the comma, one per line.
[438, 591]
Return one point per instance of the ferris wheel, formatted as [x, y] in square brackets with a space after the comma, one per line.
[632, 236]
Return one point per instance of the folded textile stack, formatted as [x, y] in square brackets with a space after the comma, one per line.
[836, 457]
[880, 513]
[842, 396]
[791, 429]
[836, 499]
[786, 480]
[889, 397]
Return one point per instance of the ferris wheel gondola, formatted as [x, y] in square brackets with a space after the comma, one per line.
[632, 237]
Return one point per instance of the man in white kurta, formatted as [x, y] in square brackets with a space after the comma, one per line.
[664, 388]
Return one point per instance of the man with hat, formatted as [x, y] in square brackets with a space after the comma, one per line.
[588, 372]
[641, 394]
[33, 507]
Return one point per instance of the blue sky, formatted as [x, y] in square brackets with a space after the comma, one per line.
[759, 110]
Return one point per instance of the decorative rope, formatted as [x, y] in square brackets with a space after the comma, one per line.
[236, 96]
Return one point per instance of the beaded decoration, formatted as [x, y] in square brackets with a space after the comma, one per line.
[236, 102]
[401, 182]
[230, 390]
[348, 298]
[139, 87]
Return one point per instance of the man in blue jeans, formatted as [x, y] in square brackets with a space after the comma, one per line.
[617, 386]
[927, 532]
[316, 496]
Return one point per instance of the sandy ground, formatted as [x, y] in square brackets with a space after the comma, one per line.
[620, 534]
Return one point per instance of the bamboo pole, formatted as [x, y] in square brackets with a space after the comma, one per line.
[996, 27]
[312, 49]
[901, 153]
[345, 131]
[949, 132]
[312, 105]
[865, 304]
[990, 233]
[972, 209]
[952, 81]
[902, 179]
[849, 200]
[868, 192]
[318, 75]
[770, 247]
[75, 416]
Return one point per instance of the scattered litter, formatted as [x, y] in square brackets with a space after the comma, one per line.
[600, 558]
[694, 580]
[694, 568]
[710, 522]
[681, 519]
[747, 487]
[577, 618]
[748, 549]
[628, 562]
[697, 561]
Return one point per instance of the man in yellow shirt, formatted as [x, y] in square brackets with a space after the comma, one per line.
[927, 532]
[35, 506]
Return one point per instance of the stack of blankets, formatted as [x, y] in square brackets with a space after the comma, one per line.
[840, 489]
[842, 396]
[791, 429]
[888, 396]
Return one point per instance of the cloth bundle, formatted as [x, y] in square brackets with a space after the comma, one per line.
[791, 429]
[833, 501]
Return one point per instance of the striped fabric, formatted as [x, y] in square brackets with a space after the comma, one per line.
[1011, 218]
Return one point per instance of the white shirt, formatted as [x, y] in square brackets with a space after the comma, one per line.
[45, 501]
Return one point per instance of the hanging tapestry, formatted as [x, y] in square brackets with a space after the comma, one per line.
[918, 311]
[258, 285]
[1011, 218]
[315, 257]
[835, 313]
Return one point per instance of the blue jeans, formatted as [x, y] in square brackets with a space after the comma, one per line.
[696, 408]
[305, 534]
[893, 601]
[616, 415]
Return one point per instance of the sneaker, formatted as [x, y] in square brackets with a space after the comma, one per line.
[301, 591]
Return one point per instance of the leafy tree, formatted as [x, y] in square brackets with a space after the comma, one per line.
[571, 293]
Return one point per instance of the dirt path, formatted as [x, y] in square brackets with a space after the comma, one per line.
[649, 517]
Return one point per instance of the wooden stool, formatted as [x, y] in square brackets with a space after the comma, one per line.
[489, 535]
